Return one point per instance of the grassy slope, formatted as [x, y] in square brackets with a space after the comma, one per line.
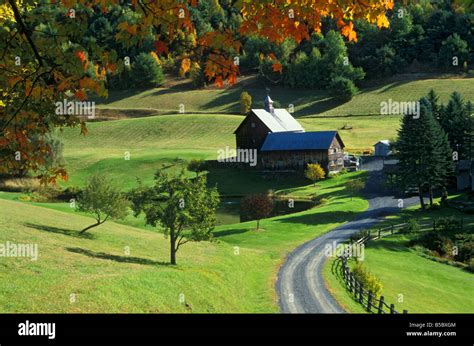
[106, 280]
[427, 286]
[306, 102]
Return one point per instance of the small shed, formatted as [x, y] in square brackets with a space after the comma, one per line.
[382, 148]
[464, 174]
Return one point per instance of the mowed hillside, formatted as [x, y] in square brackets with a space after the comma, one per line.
[122, 269]
[306, 102]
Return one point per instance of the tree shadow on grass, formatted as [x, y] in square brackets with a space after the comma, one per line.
[57, 230]
[224, 233]
[116, 258]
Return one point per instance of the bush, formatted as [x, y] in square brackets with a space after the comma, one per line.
[412, 226]
[439, 244]
[147, 72]
[368, 281]
[342, 89]
[197, 76]
[449, 223]
[196, 166]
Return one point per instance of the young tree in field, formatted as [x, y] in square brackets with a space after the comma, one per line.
[103, 200]
[424, 152]
[245, 102]
[314, 172]
[45, 58]
[257, 207]
[184, 208]
[354, 186]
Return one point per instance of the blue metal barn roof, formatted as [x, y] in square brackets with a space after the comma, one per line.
[320, 140]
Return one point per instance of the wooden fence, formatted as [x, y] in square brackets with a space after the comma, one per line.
[368, 300]
[361, 295]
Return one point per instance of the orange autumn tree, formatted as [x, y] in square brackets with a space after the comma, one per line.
[44, 59]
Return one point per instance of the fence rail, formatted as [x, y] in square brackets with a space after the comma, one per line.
[366, 298]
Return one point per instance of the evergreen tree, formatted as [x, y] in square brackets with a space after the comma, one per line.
[456, 121]
[424, 152]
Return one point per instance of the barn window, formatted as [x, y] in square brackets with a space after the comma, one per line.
[253, 125]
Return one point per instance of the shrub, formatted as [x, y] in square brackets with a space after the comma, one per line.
[314, 172]
[439, 244]
[342, 89]
[412, 226]
[196, 166]
[368, 281]
[197, 76]
[449, 223]
[245, 102]
[147, 72]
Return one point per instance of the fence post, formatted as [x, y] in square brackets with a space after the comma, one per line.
[379, 233]
[381, 305]
[361, 292]
[355, 285]
[369, 302]
[392, 229]
[392, 308]
[405, 311]
[434, 225]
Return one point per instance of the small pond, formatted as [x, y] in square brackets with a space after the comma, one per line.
[229, 210]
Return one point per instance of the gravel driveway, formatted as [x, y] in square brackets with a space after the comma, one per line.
[300, 285]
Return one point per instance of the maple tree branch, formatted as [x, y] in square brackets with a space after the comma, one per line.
[7, 123]
[24, 30]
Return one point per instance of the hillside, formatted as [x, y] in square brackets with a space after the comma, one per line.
[104, 278]
[306, 102]
[97, 270]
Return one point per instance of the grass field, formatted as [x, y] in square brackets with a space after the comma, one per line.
[210, 275]
[306, 102]
[423, 285]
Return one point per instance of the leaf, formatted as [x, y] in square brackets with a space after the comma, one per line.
[277, 67]
[382, 21]
[81, 95]
[161, 47]
[349, 32]
[81, 55]
[185, 65]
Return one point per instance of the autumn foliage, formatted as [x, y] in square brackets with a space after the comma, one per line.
[44, 59]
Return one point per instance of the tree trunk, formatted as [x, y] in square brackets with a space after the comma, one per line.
[172, 247]
[91, 226]
[420, 194]
[431, 196]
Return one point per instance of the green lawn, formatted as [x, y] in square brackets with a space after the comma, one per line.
[424, 285]
[210, 275]
[306, 102]
[104, 278]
